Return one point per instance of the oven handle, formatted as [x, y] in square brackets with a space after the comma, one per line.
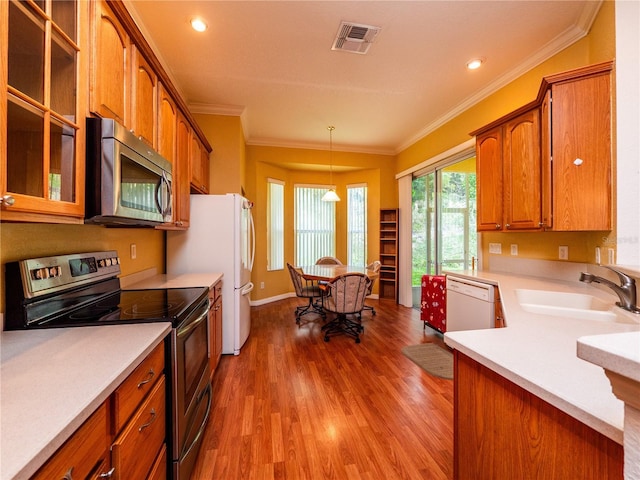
[185, 329]
[203, 425]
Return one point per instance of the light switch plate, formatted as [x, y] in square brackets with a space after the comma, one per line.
[514, 249]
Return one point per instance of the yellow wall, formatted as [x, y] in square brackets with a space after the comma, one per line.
[284, 164]
[227, 161]
[597, 46]
[29, 240]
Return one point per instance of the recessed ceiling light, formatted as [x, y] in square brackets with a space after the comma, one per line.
[198, 24]
[475, 63]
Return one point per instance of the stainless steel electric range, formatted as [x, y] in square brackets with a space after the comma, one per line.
[84, 289]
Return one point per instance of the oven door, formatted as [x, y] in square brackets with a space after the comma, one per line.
[191, 396]
[141, 189]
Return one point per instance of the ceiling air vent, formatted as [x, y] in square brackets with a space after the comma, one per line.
[355, 37]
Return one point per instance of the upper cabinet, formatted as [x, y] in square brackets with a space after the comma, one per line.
[547, 166]
[577, 119]
[42, 110]
[111, 51]
[199, 166]
[508, 175]
[62, 60]
[143, 100]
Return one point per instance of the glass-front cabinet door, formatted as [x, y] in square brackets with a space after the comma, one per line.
[43, 152]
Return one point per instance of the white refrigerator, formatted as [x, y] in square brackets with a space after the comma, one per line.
[220, 239]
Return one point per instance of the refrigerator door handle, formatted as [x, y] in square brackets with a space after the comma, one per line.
[253, 242]
[248, 288]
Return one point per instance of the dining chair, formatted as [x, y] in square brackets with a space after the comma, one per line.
[328, 261]
[375, 268]
[346, 300]
[306, 289]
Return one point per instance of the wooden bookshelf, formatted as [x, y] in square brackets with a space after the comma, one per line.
[388, 280]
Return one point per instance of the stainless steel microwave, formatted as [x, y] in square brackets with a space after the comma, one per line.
[127, 182]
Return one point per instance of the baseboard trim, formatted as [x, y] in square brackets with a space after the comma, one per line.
[264, 301]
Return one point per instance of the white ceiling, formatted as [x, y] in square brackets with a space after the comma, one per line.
[271, 62]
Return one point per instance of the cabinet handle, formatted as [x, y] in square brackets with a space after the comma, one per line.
[153, 418]
[108, 474]
[542, 224]
[507, 226]
[216, 308]
[498, 226]
[150, 376]
[7, 200]
[68, 475]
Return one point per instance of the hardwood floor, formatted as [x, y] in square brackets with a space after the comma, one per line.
[292, 406]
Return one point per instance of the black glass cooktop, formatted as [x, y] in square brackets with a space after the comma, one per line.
[131, 306]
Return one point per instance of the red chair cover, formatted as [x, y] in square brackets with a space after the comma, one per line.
[433, 304]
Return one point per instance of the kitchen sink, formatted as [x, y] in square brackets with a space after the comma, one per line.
[564, 304]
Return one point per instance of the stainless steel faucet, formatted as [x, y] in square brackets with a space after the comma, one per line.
[626, 291]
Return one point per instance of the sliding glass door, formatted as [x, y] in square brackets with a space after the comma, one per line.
[444, 233]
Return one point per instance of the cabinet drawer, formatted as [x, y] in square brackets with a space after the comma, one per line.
[85, 454]
[136, 448]
[133, 390]
[159, 469]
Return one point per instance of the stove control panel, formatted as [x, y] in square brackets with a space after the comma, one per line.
[45, 275]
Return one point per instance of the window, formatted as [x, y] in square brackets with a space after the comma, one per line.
[275, 225]
[357, 225]
[443, 220]
[315, 225]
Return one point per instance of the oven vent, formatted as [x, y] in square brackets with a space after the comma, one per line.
[355, 37]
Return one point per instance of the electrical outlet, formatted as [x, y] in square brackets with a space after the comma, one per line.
[134, 251]
[563, 252]
[611, 260]
[261, 285]
[597, 255]
[514, 249]
[495, 248]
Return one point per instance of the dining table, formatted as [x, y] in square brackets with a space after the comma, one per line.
[327, 273]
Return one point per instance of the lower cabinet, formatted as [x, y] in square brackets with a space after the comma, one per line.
[215, 326]
[85, 454]
[125, 438]
[503, 431]
[138, 445]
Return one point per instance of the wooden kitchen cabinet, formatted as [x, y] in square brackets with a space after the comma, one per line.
[167, 124]
[182, 174]
[139, 423]
[137, 386]
[144, 87]
[500, 428]
[135, 416]
[508, 163]
[547, 166]
[199, 166]
[497, 309]
[215, 326]
[43, 102]
[110, 71]
[577, 120]
[141, 442]
[85, 454]
[174, 138]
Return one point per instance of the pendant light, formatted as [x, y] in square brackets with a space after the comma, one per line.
[331, 195]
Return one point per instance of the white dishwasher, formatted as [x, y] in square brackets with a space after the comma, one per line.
[470, 304]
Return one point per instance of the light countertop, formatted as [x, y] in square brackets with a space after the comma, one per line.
[539, 352]
[160, 280]
[52, 380]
